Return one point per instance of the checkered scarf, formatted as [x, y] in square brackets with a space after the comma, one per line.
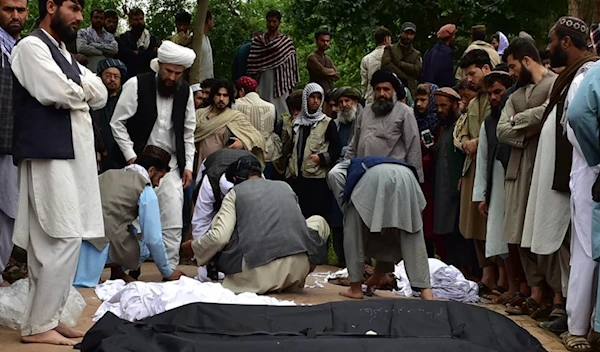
[7, 43]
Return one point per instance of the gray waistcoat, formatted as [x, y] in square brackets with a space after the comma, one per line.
[269, 225]
[120, 191]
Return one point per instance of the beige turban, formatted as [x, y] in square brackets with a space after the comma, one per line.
[171, 53]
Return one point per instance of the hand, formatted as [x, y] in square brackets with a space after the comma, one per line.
[470, 147]
[459, 184]
[175, 276]
[132, 160]
[315, 159]
[237, 144]
[137, 52]
[187, 179]
[82, 59]
[483, 209]
[186, 247]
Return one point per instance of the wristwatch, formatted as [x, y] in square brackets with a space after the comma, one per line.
[512, 120]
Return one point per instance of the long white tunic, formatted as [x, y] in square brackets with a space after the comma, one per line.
[66, 192]
[548, 214]
[170, 191]
[494, 243]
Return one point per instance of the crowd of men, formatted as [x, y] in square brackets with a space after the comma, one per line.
[108, 156]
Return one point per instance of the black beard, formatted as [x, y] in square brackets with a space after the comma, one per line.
[66, 34]
[138, 28]
[164, 90]
[525, 77]
[558, 58]
[205, 102]
[448, 120]
[382, 107]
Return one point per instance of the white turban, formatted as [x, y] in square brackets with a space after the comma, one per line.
[196, 87]
[171, 53]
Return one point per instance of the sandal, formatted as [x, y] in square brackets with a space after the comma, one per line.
[496, 292]
[594, 340]
[515, 297]
[503, 298]
[557, 322]
[483, 289]
[527, 306]
[575, 343]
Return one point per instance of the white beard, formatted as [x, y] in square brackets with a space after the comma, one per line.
[347, 116]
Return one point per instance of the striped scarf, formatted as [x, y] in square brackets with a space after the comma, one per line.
[279, 54]
[7, 43]
[305, 118]
[595, 35]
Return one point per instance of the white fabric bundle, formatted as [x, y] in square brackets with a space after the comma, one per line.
[171, 53]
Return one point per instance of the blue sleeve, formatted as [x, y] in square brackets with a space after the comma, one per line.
[582, 115]
[427, 75]
[152, 230]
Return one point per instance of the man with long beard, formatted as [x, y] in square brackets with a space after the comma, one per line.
[348, 110]
[548, 214]
[137, 47]
[11, 24]
[519, 127]
[387, 128]
[157, 108]
[59, 196]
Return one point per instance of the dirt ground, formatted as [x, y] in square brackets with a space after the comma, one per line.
[9, 339]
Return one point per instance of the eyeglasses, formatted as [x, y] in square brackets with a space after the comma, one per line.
[111, 75]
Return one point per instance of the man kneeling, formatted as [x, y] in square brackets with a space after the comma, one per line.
[382, 204]
[262, 241]
[126, 195]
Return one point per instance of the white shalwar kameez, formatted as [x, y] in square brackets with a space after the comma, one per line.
[59, 200]
[170, 190]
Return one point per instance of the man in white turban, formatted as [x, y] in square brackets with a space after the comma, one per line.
[157, 108]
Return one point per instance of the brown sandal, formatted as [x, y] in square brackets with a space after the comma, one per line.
[575, 343]
[527, 306]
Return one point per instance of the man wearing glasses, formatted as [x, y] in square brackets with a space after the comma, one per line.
[112, 72]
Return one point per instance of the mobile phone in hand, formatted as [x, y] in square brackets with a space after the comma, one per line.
[427, 138]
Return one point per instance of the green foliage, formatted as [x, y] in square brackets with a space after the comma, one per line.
[90, 5]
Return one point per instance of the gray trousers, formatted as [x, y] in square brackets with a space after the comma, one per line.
[357, 237]
[6, 230]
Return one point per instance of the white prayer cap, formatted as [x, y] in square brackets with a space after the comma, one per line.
[196, 88]
[171, 53]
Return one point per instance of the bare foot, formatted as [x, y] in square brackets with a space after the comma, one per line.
[426, 294]
[355, 291]
[51, 337]
[4, 284]
[373, 282]
[67, 331]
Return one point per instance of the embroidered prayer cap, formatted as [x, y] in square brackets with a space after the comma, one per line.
[386, 75]
[108, 63]
[158, 153]
[196, 87]
[171, 53]
[248, 83]
[448, 92]
[574, 26]
[446, 31]
[348, 92]
[409, 26]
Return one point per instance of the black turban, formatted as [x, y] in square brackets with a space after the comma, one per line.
[241, 168]
[385, 75]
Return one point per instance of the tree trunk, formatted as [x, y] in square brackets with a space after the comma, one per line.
[574, 8]
[201, 9]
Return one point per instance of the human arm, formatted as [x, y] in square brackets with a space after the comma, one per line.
[126, 107]
[507, 133]
[150, 226]
[36, 70]
[412, 70]
[364, 75]
[189, 126]
[203, 210]
[387, 61]
[220, 232]
[109, 49]
[480, 185]
[313, 64]
[412, 143]
[582, 115]
[84, 47]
